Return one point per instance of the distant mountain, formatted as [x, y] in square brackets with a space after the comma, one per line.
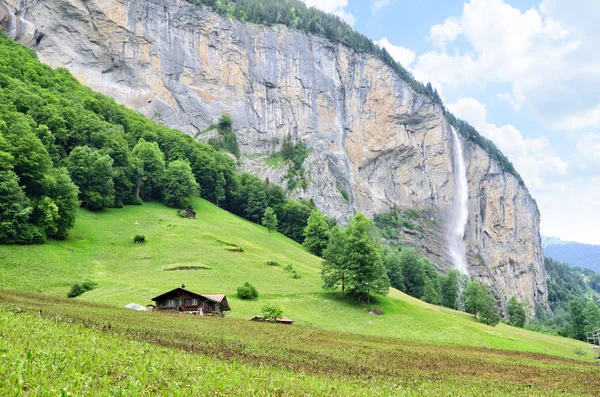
[546, 241]
[576, 254]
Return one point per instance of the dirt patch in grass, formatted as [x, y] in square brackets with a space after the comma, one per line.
[188, 268]
[79, 238]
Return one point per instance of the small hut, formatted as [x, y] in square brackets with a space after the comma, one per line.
[183, 300]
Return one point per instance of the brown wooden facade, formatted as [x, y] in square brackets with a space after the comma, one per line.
[182, 300]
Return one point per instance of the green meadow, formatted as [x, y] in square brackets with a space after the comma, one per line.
[101, 248]
[335, 347]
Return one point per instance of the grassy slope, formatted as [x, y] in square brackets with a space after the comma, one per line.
[49, 344]
[135, 273]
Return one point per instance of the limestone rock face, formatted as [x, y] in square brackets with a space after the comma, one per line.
[370, 133]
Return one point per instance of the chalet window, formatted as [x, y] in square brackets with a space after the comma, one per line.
[187, 302]
[170, 302]
[195, 302]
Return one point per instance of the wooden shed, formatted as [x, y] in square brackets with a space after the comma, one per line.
[185, 301]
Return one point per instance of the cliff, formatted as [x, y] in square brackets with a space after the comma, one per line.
[370, 133]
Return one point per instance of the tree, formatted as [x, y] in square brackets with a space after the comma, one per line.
[64, 194]
[363, 257]
[150, 168]
[413, 272]
[92, 172]
[15, 210]
[269, 219]
[592, 316]
[256, 199]
[316, 233]
[295, 214]
[334, 268]
[450, 289]
[431, 293]
[393, 265]
[472, 294]
[515, 313]
[487, 312]
[480, 302]
[179, 184]
[578, 320]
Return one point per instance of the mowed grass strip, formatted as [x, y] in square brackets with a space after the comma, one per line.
[101, 248]
[384, 365]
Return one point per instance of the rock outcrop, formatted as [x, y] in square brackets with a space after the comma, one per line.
[371, 135]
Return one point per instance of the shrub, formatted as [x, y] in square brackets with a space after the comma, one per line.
[80, 288]
[271, 312]
[247, 292]
[272, 263]
[139, 239]
[76, 290]
[88, 284]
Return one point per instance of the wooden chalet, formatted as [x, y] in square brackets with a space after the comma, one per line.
[185, 301]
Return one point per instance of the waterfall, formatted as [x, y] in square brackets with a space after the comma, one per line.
[460, 209]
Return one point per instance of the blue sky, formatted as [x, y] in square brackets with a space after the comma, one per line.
[525, 73]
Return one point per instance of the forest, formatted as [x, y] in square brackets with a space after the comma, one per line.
[296, 15]
[63, 145]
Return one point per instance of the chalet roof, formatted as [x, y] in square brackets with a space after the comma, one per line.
[212, 297]
[175, 290]
[284, 320]
[220, 299]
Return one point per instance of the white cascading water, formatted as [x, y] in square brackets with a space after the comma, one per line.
[460, 209]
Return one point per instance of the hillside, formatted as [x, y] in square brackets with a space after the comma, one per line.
[376, 139]
[101, 248]
[576, 254]
[118, 351]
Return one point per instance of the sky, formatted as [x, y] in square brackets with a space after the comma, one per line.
[525, 73]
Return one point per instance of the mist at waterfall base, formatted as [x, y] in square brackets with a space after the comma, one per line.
[460, 210]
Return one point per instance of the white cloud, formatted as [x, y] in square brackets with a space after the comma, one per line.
[580, 120]
[589, 146]
[547, 55]
[401, 54]
[532, 157]
[446, 32]
[379, 4]
[336, 7]
[573, 212]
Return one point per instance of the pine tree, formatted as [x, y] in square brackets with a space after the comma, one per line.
[269, 219]
[316, 233]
